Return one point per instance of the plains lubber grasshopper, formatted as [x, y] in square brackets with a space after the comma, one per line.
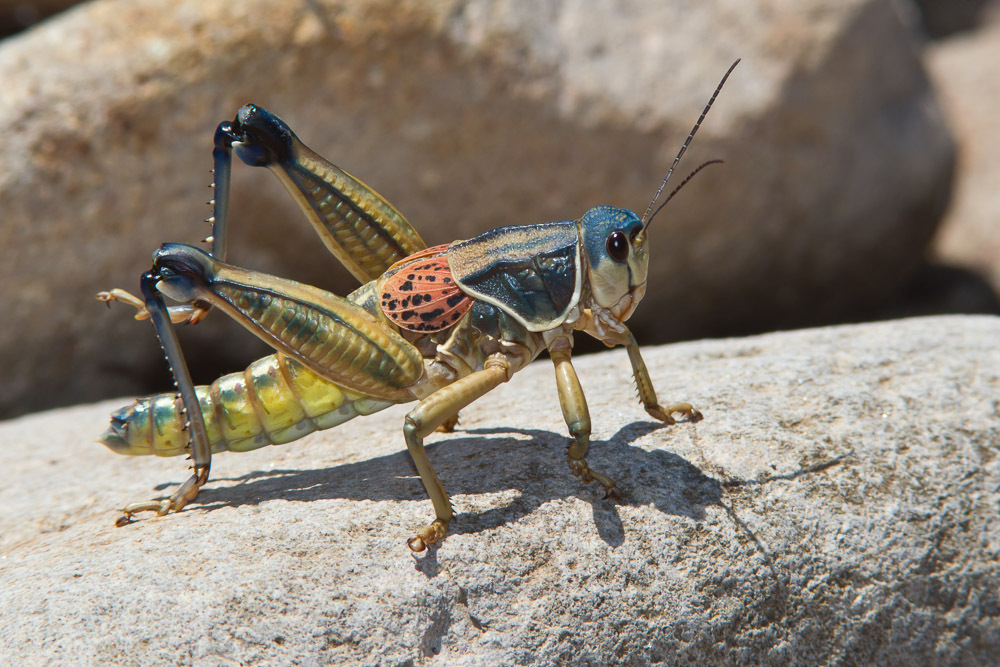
[442, 325]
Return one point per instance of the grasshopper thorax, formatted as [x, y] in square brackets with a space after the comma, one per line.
[614, 249]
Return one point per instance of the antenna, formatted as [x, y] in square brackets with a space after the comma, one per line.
[678, 188]
[646, 217]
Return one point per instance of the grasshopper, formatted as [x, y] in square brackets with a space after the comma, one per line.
[442, 326]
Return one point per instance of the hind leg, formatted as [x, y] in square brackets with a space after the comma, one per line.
[201, 451]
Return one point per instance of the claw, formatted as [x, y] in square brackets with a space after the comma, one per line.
[580, 468]
[183, 314]
[122, 296]
[185, 494]
[664, 414]
[427, 536]
[161, 507]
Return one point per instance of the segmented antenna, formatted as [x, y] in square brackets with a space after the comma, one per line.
[646, 217]
[682, 184]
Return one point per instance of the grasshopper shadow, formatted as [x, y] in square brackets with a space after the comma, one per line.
[492, 460]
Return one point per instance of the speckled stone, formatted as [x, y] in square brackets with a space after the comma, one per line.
[838, 504]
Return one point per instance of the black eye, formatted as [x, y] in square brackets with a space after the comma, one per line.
[618, 247]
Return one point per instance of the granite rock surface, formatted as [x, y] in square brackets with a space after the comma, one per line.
[838, 504]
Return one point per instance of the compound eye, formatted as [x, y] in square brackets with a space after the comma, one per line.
[618, 247]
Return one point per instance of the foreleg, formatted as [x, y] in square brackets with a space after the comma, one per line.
[647, 394]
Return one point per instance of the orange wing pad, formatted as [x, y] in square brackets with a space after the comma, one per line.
[423, 296]
[433, 251]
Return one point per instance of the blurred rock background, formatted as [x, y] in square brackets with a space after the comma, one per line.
[860, 140]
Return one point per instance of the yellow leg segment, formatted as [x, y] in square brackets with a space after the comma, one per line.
[183, 314]
[435, 410]
[175, 503]
[647, 394]
[576, 414]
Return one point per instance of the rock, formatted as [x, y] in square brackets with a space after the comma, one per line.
[942, 18]
[969, 234]
[838, 504]
[16, 15]
[467, 116]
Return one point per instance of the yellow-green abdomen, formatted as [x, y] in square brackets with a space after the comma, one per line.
[274, 401]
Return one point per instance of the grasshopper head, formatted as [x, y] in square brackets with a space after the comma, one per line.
[614, 245]
[614, 240]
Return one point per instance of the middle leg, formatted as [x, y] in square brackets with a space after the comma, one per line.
[433, 411]
[577, 416]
